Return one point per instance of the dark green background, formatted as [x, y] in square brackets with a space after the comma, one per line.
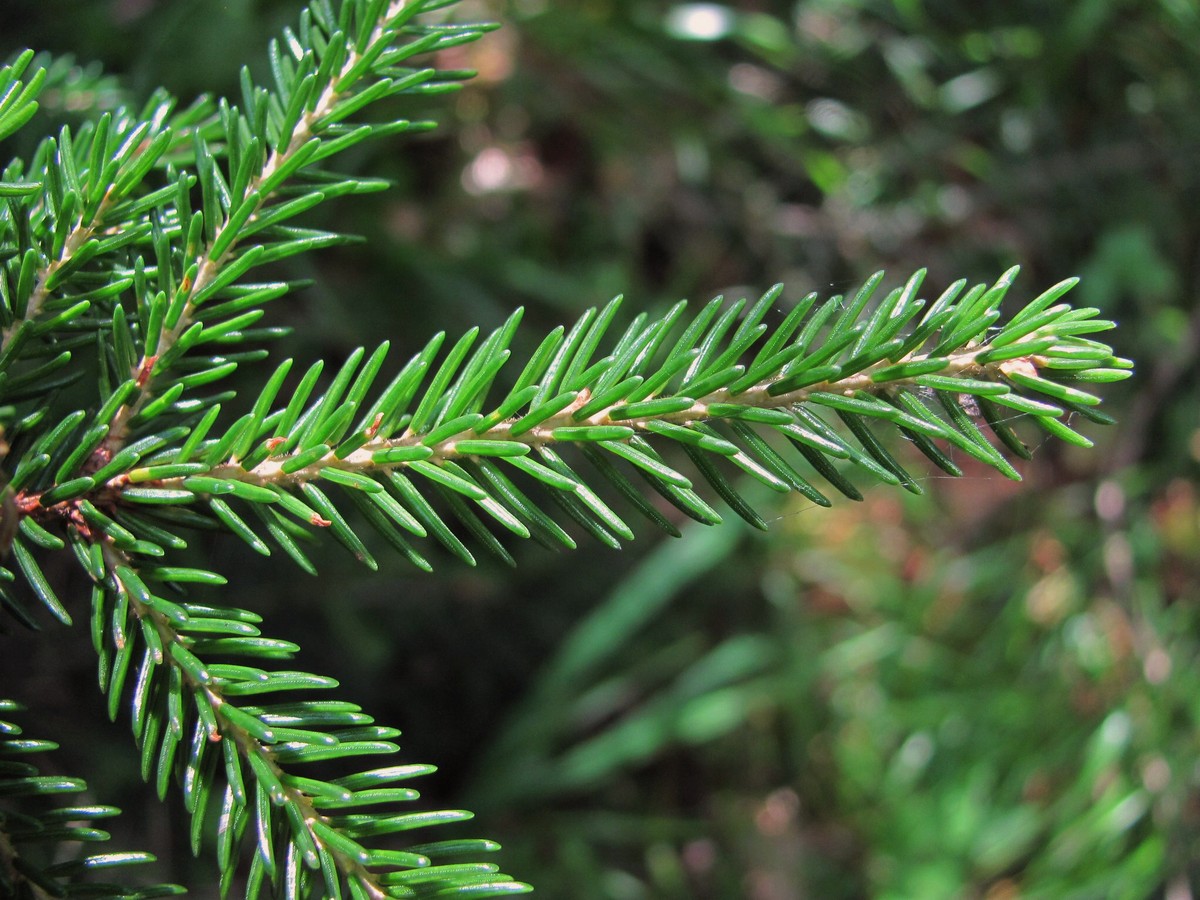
[988, 691]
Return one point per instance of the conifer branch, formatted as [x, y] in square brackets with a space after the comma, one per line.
[715, 387]
[100, 246]
[206, 734]
[320, 93]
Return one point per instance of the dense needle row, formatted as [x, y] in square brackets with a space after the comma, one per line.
[726, 388]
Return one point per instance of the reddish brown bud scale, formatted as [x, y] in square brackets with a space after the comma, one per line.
[145, 369]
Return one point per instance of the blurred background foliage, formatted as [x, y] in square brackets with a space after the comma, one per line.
[991, 690]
